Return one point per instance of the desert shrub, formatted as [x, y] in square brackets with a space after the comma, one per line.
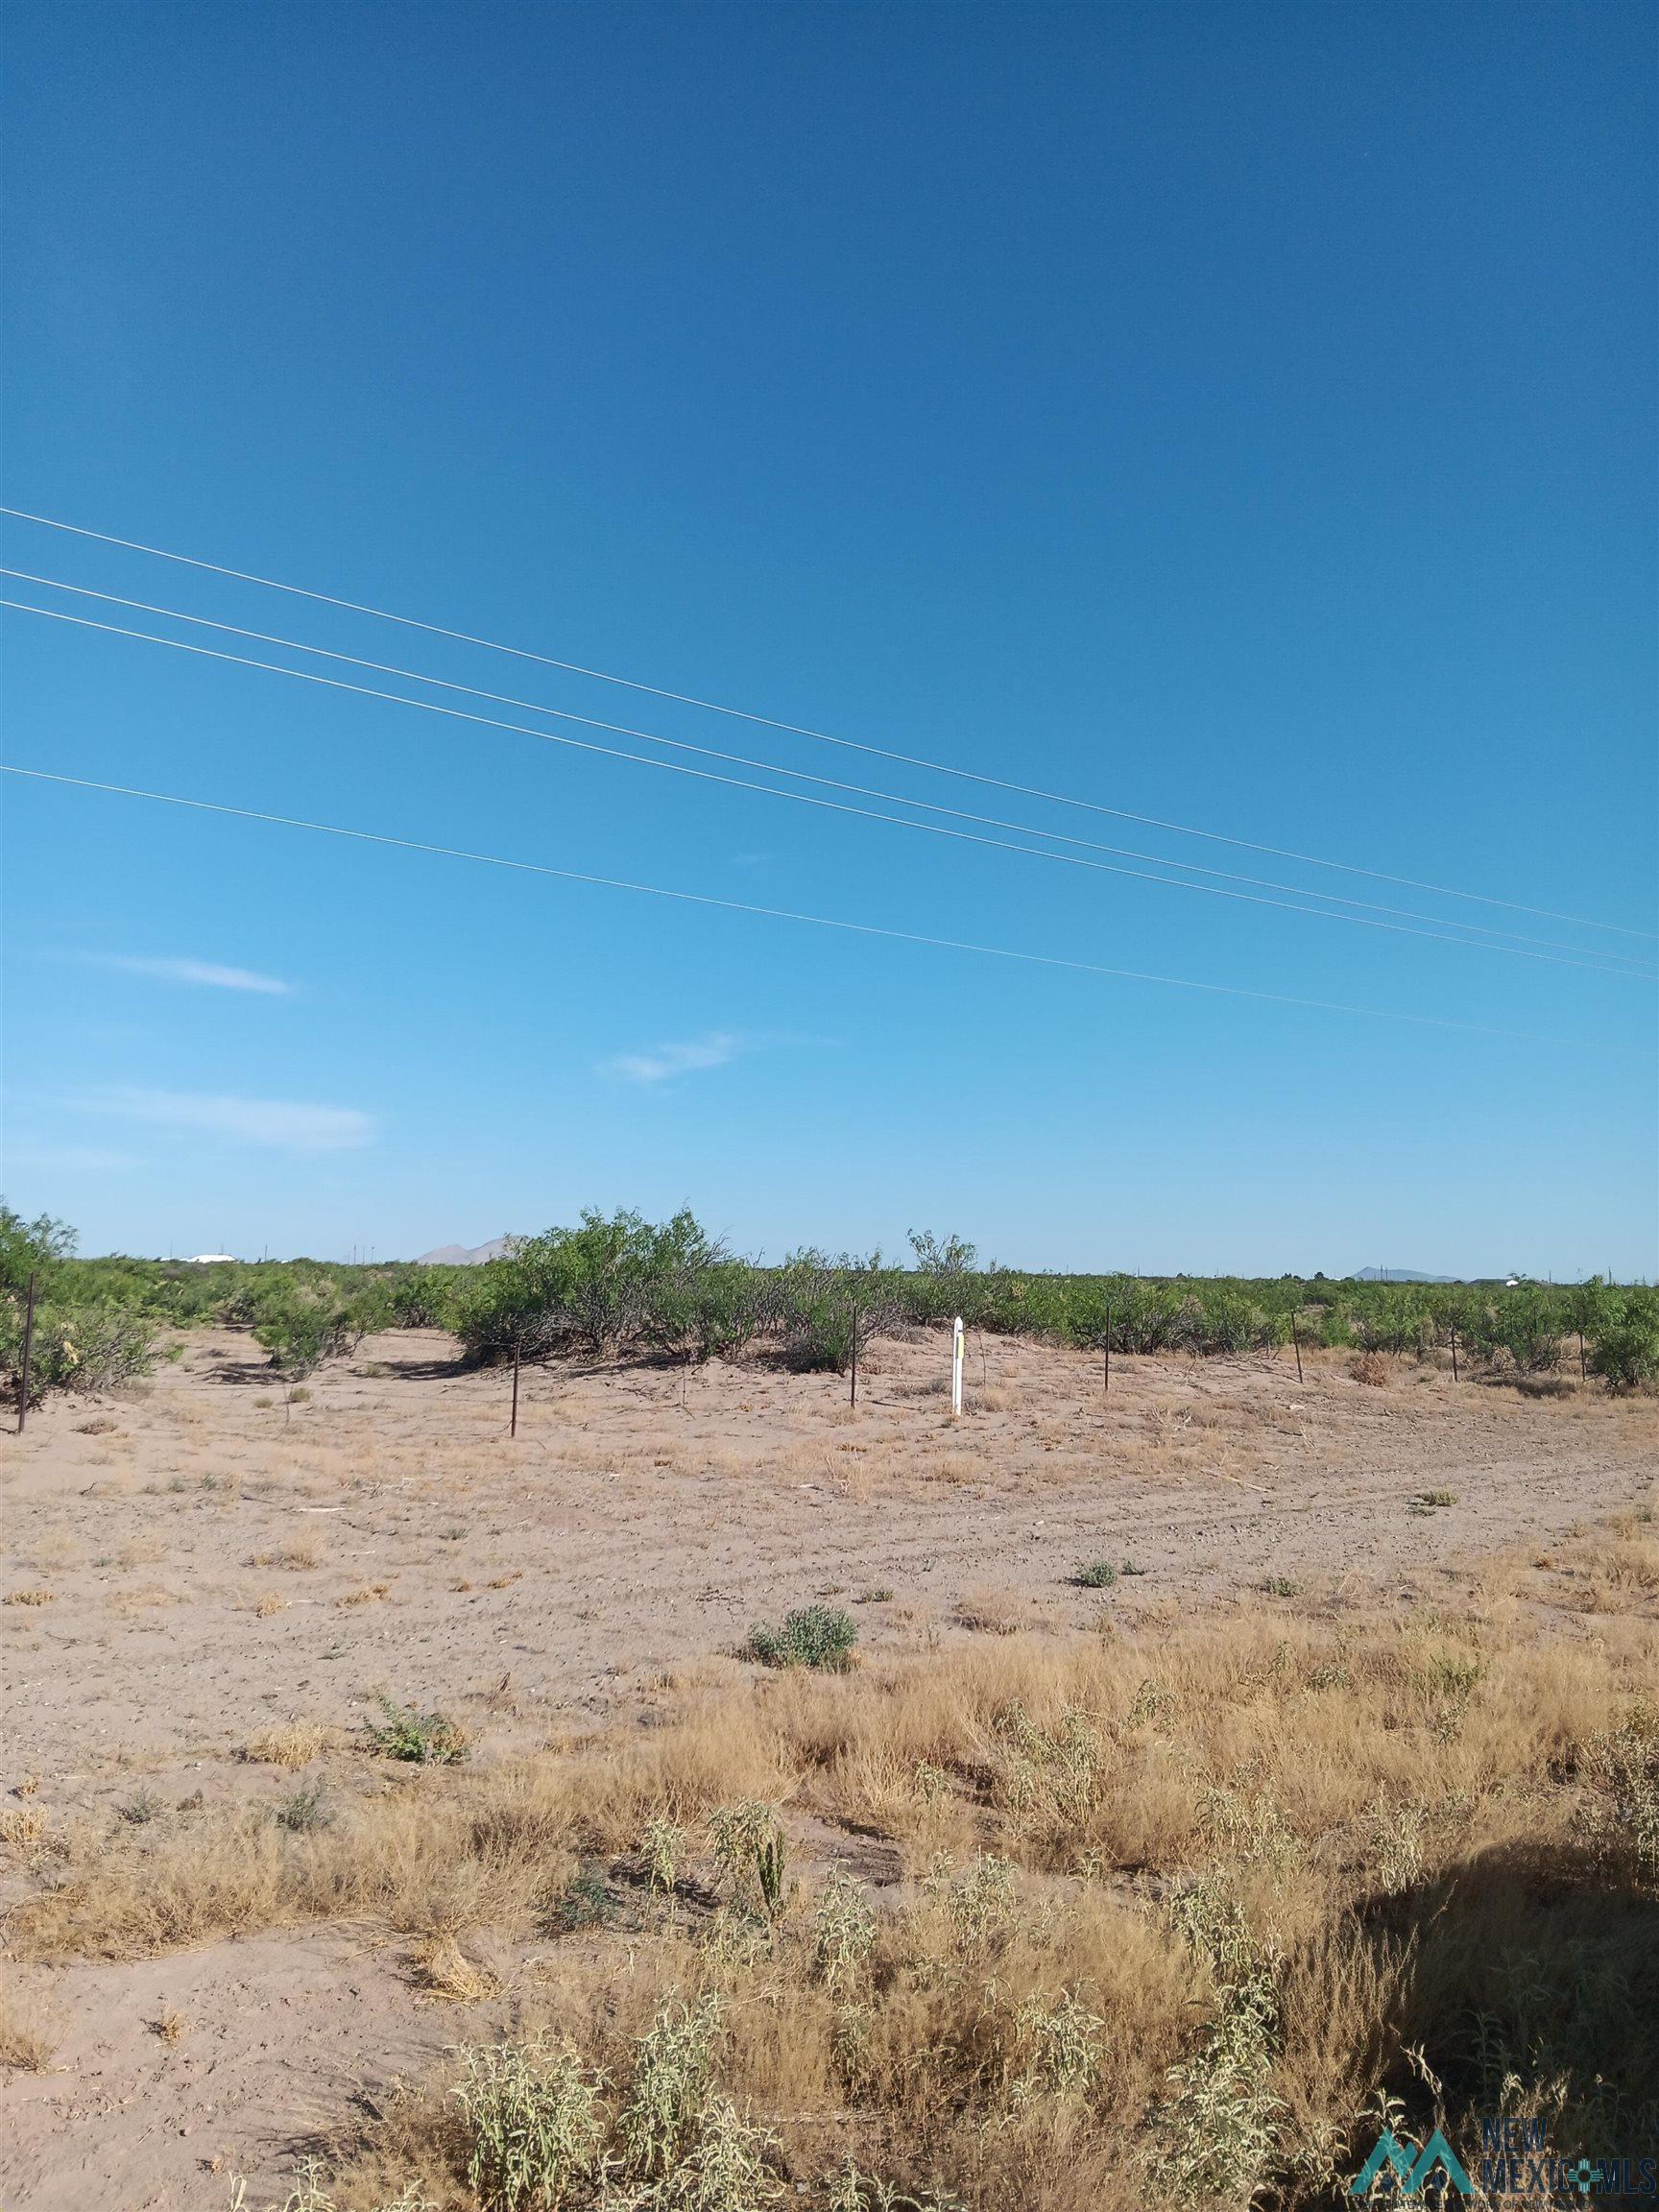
[37, 1248]
[1624, 1339]
[425, 1738]
[1219, 1320]
[713, 1310]
[751, 1852]
[828, 1308]
[1527, 1324]
[1145, 1317]
[1394, 1317]
[816, 1636]
[1336, 1328]
[1096, 1575]
[1220, 2123]
[83, 1339]
[303, 1811]
[75, 1347]
[943, 1282]
[843, 1931]
[615, 1285]
[422, 1298]
[305, 1327]
[535, 2124]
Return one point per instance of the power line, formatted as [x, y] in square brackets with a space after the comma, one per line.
[796, 798]
[819, 736]
[801, 775]
[780, 913]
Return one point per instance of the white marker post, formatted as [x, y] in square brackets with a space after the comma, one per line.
[957, 1346]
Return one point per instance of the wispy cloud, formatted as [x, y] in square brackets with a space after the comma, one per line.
[279, 1123]
[203, 973]
[663, 1062]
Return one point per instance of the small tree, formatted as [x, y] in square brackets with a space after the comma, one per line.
[943, 1281]
[79, 1344]
[304, 1331]
[1624, 1347]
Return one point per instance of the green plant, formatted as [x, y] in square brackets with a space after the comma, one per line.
[673, 2070]
[1624, 1341]
[1280, 1586]
[1096, 1575]
[751, 1852]
[819, 1636]
[83, 1337]
[535, 2124]
[663, 1847]
[828, 1311]
[1527, 1325]
[843, 1931]
[305, 1327]
[1061, 2045]
[850, 2191]
[586, 1901]
[425, 1738]
[1220, 2123]
[301, 1811]
[308, 2194]
[980, 1902]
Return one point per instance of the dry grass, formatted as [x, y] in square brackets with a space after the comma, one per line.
[446, 1975]
[1147, 1910]
[301, 1553]
[22, 1827]
[29, 2025]
[294, 1744]
[991, 1613]
[368, 1593]
[30, 1598]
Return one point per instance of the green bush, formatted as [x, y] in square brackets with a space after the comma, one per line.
[1096, 1575]
[826, 1307]
[423, 1738]
[1625, 1349]
[619, 1286]
[1528, 1325]
[819, 1636]
[305, 1325]
[615, 1287]
[424, 1297]
[535, 2124]
[84, 1338]
[943, 1282]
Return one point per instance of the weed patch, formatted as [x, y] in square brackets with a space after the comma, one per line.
[820, 1637]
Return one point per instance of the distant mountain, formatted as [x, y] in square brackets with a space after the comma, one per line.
[1398, 1275]
[459, 1254]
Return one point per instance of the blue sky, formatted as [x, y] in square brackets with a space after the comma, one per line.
[1239, 415]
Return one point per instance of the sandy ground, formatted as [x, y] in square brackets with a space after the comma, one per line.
[188, 1564]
